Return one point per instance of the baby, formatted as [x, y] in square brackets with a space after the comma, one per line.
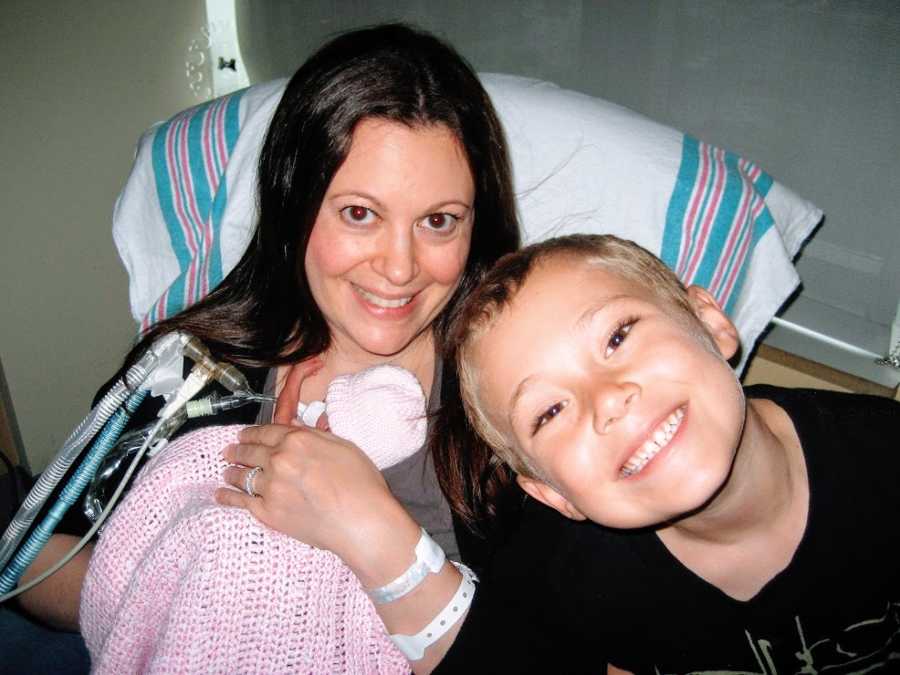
[178, 583]
[728, 530]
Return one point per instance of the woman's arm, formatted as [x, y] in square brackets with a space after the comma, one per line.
[325, 492]
[56, 600]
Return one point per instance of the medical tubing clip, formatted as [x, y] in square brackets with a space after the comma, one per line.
[225, 374]
[105, 441]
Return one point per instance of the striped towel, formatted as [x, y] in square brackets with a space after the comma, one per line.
[583, 164]
[187, 210]
[717, 214]
[190, 153]
[580, 164]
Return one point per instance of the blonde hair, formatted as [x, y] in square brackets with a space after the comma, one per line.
[499, 287]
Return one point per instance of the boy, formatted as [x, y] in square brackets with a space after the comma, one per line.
[689, 529]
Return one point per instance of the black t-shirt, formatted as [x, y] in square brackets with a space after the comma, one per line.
[570, 597]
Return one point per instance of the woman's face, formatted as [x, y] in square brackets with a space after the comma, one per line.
[391, 238]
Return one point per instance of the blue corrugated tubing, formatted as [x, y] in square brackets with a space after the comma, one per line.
[106, 440]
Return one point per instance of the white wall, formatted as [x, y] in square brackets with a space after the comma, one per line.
[81, 81]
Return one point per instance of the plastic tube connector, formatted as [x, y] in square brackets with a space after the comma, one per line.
[225, 374]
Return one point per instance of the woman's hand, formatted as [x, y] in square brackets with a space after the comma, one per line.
[315, 487]
[319, 489]
[327, 493]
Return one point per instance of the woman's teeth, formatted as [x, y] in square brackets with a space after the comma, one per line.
[378, 301]
[658, 440]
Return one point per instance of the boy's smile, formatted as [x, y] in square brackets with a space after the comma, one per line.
[659, 439]
[625, 408]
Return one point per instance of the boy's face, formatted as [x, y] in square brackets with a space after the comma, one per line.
[625, 408]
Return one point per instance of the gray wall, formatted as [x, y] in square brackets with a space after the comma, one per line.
[809, 89]
[81, 82]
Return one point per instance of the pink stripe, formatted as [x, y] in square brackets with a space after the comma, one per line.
[755, 173]
[697, 197]
[221, 145]
[711, 211]
[209, 162]
[178, 170]
[175, 185]
[750, 170]
[193, 220]
[734, 234]
[155, 313]
[739, 263]
[222, 159]
[161, 305]
[757, 206]
[196, 222]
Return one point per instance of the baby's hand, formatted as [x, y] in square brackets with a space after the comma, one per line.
[322, 422]
[380, 409]
[289, 397]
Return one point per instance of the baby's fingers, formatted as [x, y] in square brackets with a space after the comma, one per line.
[286, 406]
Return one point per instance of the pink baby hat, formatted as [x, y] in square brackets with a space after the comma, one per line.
[380, 409]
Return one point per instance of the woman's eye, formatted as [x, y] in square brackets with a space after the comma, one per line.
[618, 335]
[358, 215]
[441, 222]
[547, 416]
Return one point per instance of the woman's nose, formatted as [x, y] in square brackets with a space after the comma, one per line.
[396, 258]
[612, 402]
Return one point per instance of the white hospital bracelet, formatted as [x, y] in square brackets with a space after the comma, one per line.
[429, 558]
[414, 646]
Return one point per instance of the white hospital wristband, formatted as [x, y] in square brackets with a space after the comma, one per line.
[414, 646]
[429, 559]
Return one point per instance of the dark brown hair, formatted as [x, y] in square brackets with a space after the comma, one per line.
[263, 312]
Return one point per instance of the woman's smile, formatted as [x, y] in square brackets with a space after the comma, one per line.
[382, 302]
[391, 239]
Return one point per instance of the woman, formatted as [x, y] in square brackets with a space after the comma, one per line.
[384, 191]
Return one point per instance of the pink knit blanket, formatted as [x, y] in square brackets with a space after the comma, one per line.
[179, 584]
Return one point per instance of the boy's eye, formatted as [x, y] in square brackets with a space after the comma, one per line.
[358, 215]
[617, 337]
[441, 222]
[547, 416]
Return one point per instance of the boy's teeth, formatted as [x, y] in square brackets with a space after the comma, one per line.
[378, 301]
[658, 440]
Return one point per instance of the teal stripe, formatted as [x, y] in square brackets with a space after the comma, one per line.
[763, 183]
[678, 202]
[178, 301]
[763, 223]
[165, 197]
[197, 167]
[232, 130]
[735, 186]
[705, 204]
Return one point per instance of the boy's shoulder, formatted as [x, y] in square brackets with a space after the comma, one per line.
[824, 403]
[855, 431]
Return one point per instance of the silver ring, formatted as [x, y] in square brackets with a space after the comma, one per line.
[248, 481]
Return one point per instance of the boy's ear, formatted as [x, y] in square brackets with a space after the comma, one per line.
[711, 315]
[549, 497]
